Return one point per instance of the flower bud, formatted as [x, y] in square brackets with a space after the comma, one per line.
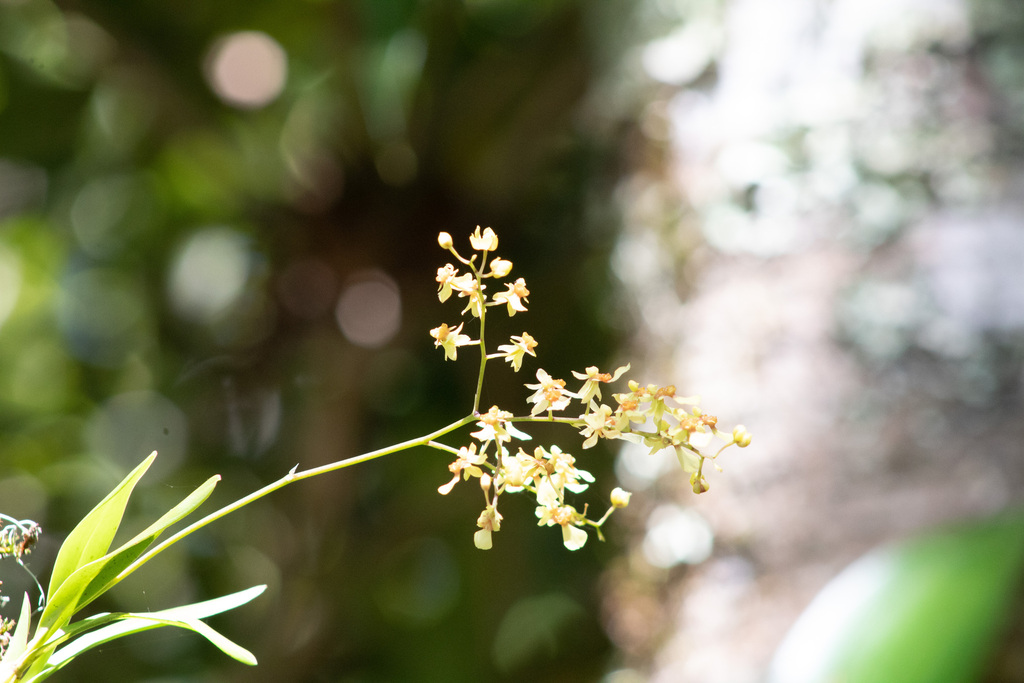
[620, 498]
[485, 482]
[500, 267]
[699, 483]
[444, 240]
[740, 436]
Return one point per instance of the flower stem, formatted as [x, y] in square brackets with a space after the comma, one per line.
[291, 478]
[483, 346]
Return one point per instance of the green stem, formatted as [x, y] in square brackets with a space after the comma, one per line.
[599, 523]
[443, 447]
[483, 346]
[574, 421]
[291, 478]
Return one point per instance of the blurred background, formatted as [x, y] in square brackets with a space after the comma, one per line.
[217, 240]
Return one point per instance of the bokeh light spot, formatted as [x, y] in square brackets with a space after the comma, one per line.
[397, 164]
[42, 378]
[130, 426]
[97, 211]
[209, 274]
[102, 315]
[369, 311]
[10, 282]
[247, 69]
[676, 535]
[637, 468]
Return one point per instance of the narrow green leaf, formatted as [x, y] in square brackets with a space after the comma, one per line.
[94, 534]
[40, 661]
[222, 643]
[63, 603]
[97, 630]
[121, 562]
[91, 580]
[208, 608]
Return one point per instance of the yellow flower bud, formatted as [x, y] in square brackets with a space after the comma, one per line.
[500, 267]
[740, 436]
[485, 482]
[620, 497]
[444, 240]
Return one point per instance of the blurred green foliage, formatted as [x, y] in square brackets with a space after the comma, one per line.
[170, 266]
[934, 608]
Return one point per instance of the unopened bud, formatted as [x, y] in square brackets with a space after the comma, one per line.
[699, 483]
[485, 482]
[740, 436]
[620, 497]
[444, 240]
[500, 267]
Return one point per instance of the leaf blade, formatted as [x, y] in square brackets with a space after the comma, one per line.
[184, 616]
[91, 538]
[122, 561]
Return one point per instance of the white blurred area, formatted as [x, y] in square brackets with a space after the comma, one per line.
[247, 70]
[209, 274]
[820, 258]
[369, 311]
[216, 282]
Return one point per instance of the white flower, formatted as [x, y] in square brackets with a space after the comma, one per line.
[591, 388]
[486, 242]
[517, 350]
[550, 393]
[466, 465]
[514, 296]
[450, 339]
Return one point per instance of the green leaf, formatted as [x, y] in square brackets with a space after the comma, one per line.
[103, 628]
[83, 554]
[64, 602]
[94, 534]
[121, 563]
[89, 581]
[19, 640]
[929, 609]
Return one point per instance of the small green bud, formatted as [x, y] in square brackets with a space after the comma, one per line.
[699, 483]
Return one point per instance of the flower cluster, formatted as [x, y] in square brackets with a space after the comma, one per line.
[650, 415]
[6, 629]
[17, 537]
[546, 473]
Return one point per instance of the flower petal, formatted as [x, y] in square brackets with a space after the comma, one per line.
[573, 537]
